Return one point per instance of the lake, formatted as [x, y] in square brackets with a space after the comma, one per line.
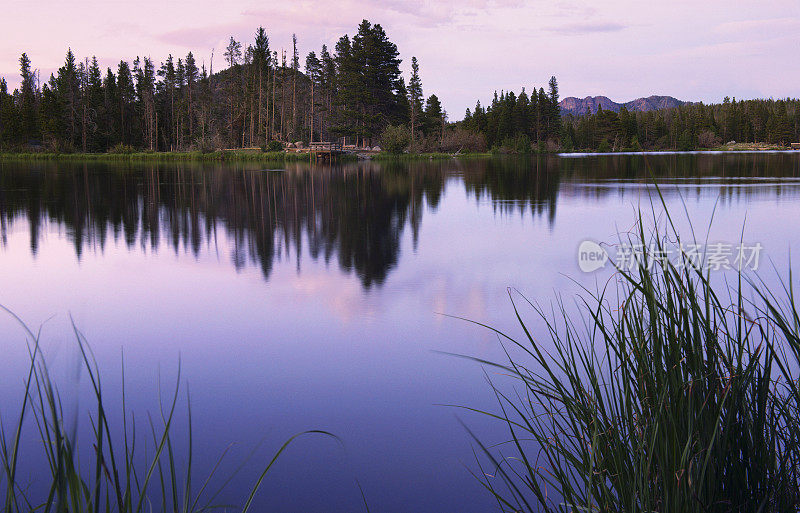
[323, 297]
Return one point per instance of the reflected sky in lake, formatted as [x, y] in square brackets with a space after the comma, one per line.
[312, 297]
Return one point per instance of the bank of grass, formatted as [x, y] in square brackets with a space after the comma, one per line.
[187, 156]
[119, 476]
[385, 155]
[752, 147]
[668, 393]
[737, 147]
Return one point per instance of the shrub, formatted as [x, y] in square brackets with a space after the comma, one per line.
[566, 142]
[707, 139]
[208, 144]
[57, 145]
[272, 146]
[685, 142]
[462, 140]
[395, 139]
[523, 144]
[122, 149]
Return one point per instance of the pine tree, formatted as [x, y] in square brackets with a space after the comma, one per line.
[233, 54]
[180, 101]
[554, 111]
[314, 73]
[94, 108]
[191, 80]
[29, 126]
[414, 99]
[126, 98]
[166, 90]
[8, 116]
[145, 75]
[295, 68]
[110, 134]
[433, 117]
[328, 84]
[261, 60]
[368, 78]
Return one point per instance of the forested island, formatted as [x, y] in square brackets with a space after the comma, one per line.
[354, 93]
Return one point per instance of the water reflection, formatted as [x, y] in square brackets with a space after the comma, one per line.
[352, 214]
[349, 351]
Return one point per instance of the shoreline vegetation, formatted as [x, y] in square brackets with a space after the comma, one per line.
[667, 389]
[251, 155]
[229, 156]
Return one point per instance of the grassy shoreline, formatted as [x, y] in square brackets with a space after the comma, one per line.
[429, 156]
[194, 156]
[224, 156]
[281, 156]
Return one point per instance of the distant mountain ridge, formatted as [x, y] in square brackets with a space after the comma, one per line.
[578, 106]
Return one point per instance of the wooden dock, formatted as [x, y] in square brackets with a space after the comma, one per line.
[324, 150]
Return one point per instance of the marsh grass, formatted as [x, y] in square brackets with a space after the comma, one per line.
[669, 391]
[120, 477]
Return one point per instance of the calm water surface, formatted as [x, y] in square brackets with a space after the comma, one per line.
[312, 298]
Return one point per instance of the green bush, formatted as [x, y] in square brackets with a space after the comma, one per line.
[272, 146]
[395, 139]
[523, 144]
[685, 142]
[566, 142]
[122, 149]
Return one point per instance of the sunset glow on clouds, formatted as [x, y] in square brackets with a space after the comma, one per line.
[623, 49]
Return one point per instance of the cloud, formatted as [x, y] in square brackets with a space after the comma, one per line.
[761, 27]
[581, 28]
[200, 37]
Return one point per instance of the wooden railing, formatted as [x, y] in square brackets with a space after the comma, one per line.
[325, 147]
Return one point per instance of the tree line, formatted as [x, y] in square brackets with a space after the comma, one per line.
[262, 97]
[687, 127]
[515, 122]
[522, 123]
[355, 93]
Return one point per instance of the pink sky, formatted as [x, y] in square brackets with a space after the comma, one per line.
[624, 49]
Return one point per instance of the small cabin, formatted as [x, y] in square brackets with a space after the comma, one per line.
[795, 146]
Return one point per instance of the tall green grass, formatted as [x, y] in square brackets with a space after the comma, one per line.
[670, 390]
[121, 477]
